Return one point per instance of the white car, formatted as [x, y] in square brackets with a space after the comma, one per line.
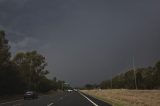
[69, 90]
[76, 90]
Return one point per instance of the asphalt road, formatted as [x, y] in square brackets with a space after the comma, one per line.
[59, 99]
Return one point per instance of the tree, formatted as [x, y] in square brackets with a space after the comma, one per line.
[139, 76]
[129, 79]
[32, 66]
[4, 60]
[148, 78]
[4, 50]
[26, 70]
[105, 84]
[157, 74]
[9, 75]
[91, 86]
[118, 81]
[45, 85]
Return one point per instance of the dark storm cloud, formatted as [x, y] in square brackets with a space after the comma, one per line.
[85, 41]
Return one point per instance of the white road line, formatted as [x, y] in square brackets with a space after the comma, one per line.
[88, 99]
[11, 102]
[50, 104]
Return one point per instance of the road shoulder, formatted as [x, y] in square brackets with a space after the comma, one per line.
[97, 101]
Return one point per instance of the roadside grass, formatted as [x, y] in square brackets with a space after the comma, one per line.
[124, 97]
[110, 101]
[102, 98]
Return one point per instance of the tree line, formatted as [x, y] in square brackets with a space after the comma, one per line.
[146, 78]
[25, 71]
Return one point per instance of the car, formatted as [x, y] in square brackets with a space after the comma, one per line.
[69, 90]
[76, 90]
[30, 95]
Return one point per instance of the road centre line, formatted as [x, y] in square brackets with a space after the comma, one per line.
[88, 99]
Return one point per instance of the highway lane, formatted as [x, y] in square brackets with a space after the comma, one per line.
[59, 99]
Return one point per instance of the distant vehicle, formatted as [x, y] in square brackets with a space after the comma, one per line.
[30, 95]
[76, 90]
[69, 90]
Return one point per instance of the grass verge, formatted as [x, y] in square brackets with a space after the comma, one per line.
[124, 97]
[107, 100]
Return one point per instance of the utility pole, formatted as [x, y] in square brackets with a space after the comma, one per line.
[135, 77]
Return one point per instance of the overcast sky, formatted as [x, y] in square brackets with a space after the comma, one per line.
[85, 41]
